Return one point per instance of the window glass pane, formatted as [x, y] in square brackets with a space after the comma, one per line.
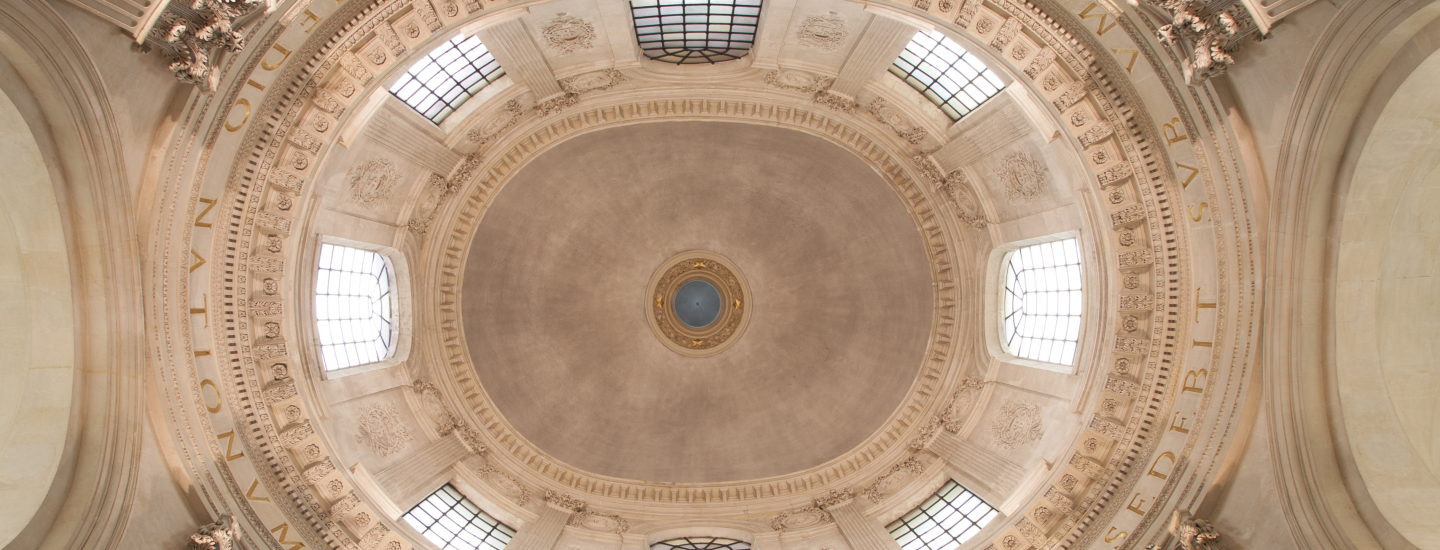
[450, 520]
[696, 31]
[701, 543]
[354, 308]
[1042, 301]
[943, 521]
[946, 74]
[436, 85]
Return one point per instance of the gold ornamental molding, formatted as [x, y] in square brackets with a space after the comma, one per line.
[720, 274]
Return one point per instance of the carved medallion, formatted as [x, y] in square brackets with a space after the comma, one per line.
[1017, 424]
[372, 182]
[592, 82]
[566, 34]
[382, 430]
[800, 519]
[825, 33]
[724, 325]
[1023, 177]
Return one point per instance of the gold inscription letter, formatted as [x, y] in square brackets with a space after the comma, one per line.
[267, 65]
[1195, 215]
[210, 203]
[234, 127]
[1112, 536]
[251, 493]
[1177, 424]
[218, 401]
[1195, 381]
[1193, 172]
[230, 445]
[1172, 135]
[1133, 507]
[1199, 305]
[310, 18]
[1100, 29]
[284, 529]
[1167, 455]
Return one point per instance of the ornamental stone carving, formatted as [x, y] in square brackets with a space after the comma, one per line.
[567, 34]
[799, 81]
[220, 535]
[446, 422]
[498, 122]
[801, 518]
[893, 479]
[896, 120]
[824, 33]
[1213, 31]
[189, 34]
[834, 497]
[952, 417]
[1017, 424]
[592, 82]
[564, 500]
[382, 430]
[372, 181]
[1023, 177]
[1193, 533]
[956, 189]
[507, 484]
[590, 519]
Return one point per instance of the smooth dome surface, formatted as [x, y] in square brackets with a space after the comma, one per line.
[554, 298]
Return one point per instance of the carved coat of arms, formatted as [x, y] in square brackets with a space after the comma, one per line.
[823, 32]
[1017, 424]
[567, 34]
[1023, 177]
[372, 182]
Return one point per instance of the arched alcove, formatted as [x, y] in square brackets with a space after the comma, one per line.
[37, 332]
[1386, 293]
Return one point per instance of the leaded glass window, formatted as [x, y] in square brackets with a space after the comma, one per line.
[452, 522]
[953, 79]
[454, 72]
[695, 31]
[944, 521]
[1042, 301]
[354, 306]
[701, 543]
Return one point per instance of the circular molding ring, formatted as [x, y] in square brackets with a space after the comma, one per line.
[735, 305]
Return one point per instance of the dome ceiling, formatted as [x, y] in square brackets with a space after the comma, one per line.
[555, 294]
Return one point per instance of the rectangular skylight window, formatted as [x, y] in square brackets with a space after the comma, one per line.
[953, 79]
[944, 521]
[354, 307]
[452, 522]
[695, 31]
[1042, 302]
[438, 84]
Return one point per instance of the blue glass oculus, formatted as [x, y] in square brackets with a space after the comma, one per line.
[697, 303]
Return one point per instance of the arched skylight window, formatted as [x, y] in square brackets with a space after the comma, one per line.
[695, 31]
[953, 79]
[436, 85]
[354, 307]
[452, 522]
[701, 543]
[1042, 301]
[944, 521]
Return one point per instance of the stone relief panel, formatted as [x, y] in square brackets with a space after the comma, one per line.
[1018, 423]
[567, 34]
[1022, 177]
[373, 181]
[825, 33]
[592, 82]
[893, 479]
[382, 430]
[801, 518]
[896, 120]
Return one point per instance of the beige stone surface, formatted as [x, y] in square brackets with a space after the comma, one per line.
[554, 298]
